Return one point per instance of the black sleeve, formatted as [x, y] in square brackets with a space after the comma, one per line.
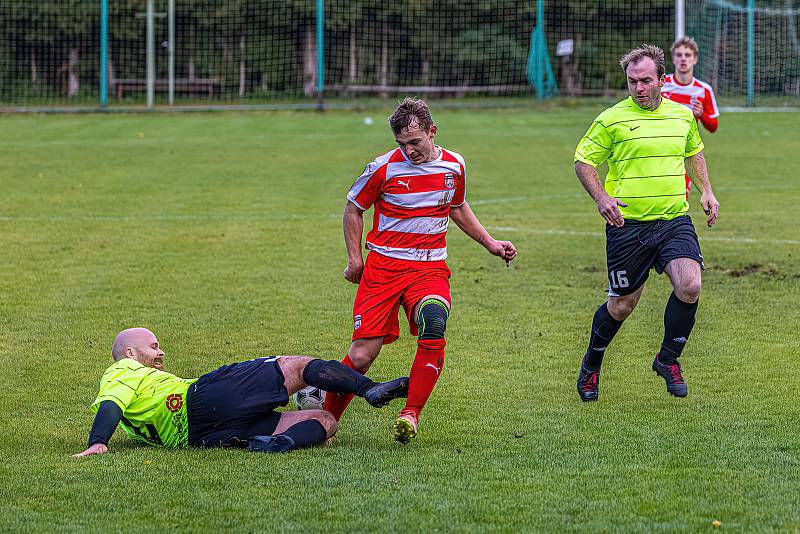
[105, 423]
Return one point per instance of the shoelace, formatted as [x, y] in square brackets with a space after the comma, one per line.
[675, 371]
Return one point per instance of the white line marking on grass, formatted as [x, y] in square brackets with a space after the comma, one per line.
[290, 217]
[537, 198]
[751, 240]
[736, 109]
[497, 201]
[555, 231]
[164, 217]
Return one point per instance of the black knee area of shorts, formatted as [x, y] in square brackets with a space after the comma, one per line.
[432, 319]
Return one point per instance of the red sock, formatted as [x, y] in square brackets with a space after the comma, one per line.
[337, 402]
[425, 372]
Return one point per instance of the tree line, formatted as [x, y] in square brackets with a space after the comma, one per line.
[268, 48]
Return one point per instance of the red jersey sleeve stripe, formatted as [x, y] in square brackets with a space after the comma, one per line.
[367, 188]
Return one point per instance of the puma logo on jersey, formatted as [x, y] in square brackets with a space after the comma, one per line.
[407, 184]
[437, 369]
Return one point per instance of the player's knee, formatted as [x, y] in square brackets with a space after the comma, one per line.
[689, 291]
[432, 319]
[364, 351]
[328, 422]
[621, 308]
[362, 359]
[292, 368]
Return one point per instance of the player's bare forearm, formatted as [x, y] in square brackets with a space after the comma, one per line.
[590, 180]
[606, 205]
[698, 173]
[466, 220]
[353, 223]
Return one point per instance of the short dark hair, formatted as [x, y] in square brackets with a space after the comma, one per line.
[638, 54]
[409, 111]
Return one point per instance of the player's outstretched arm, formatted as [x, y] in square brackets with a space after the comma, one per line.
[698, 172]
[105, 422]
[606, 205]
[465, 219]
[353, 222]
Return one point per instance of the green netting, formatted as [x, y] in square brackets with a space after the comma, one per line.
[248, 52]
[720, 27]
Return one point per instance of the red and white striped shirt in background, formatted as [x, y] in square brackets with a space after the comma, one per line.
[412, 203]
[683, 94]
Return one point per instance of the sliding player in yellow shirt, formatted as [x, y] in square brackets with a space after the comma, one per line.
[233, 406]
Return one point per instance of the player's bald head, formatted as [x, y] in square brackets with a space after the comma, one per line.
[131, 338]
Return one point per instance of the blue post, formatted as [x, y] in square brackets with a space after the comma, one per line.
[103, 53]
[540, 70]
[750, 38]
[540, 50]
[320, 51]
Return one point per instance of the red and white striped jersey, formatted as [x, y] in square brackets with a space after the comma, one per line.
[683, 94]
[412, 203]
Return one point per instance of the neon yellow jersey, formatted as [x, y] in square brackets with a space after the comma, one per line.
[645, 150]
[153, 402]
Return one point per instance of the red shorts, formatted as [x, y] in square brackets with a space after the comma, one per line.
[386, 284]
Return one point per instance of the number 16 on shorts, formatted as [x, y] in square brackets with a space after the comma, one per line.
[619, 279]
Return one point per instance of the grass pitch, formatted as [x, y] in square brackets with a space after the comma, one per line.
[222, 233]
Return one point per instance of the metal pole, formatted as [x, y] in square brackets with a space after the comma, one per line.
[750, 46]
[171, 38]
[103, 53]
[320, 52]
[151, 55]
[680, 19]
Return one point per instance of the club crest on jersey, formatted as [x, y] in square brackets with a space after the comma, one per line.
[449, 180]
[356, 322]
[174, 402]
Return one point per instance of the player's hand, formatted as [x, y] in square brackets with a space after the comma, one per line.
[607, 206]
[97, 448]
[505, 249]
[697, 107]
[353, 271]
[710, 205]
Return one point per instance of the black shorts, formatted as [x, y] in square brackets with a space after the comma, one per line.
[631, 251]
[228, 406]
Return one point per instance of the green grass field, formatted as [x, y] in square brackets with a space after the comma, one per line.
[222, 233]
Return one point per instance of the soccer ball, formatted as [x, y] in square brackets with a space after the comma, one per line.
[309, 398]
